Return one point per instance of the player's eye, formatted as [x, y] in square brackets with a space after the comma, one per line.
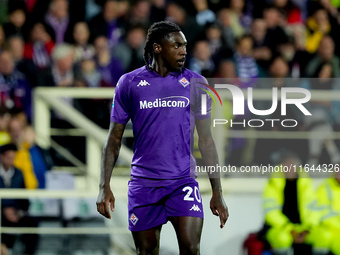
[176, 46]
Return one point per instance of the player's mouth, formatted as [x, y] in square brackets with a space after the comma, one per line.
[181, 61]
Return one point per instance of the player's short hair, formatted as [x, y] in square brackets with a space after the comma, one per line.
[156, 33]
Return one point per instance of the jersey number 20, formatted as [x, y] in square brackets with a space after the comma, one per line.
[188, 196]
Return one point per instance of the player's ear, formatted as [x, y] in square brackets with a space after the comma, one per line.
[157, 48]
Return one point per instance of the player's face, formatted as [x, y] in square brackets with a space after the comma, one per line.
[174, 50]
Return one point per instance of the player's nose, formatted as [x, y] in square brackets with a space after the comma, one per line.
[183, 50]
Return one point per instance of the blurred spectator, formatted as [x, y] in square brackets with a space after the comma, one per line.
[16, 23]
[215, 41]
[240, 19]
[289, 214]
[204, 15]
[320, 124]
[38, 50]
[37, 10]
[157, 11]
[140, 13]
[318, 25]
[22, 156]
[97, 110]
[58, 18]
[296, 57]
[275, 35]
[15, 91]
[130, 51]
[2, 38]
[30, 5]
[40, 159]
[62, 69]
[223, 19]
[334, 19]
[3, 249]
[278, 72]
[89, 74]
[5, 118]
[63, 74]
[325, 54]
[16, 45]
[291, 56]
[261, 51]
[109, 67]
[108, 23]
[81, 35]
[91, 9]
[14, 211]
[246, 66]
[328, 197]
[331, 6]
[226, 69]
[289, 10]
[202, 62]
[3, 11]
[40, 46]
[279, 69]
[188, 25]
[292, 21]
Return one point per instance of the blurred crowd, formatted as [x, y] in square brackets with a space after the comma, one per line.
[91, 43]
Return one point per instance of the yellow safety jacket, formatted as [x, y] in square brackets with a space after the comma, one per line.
[274, 200]
[329, 198]
[314, 35]
[23, 162]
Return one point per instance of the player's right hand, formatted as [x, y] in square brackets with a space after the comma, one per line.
[105, 202]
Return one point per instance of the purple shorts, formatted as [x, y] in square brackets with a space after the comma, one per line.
[151, 206]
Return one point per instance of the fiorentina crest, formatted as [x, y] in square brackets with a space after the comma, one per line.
[184, 82]
[133, 219]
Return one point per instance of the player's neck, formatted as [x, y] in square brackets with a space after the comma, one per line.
[160, 68]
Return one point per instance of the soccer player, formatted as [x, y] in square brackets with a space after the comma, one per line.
[162, 187]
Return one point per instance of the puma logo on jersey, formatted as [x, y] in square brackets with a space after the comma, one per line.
[195, 208]
[143, 83]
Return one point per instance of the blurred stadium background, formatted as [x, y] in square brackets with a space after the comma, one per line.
[61, 59]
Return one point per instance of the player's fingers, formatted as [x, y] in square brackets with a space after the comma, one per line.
[214, 210]
[112, 204]
[223, 219]
[224, 214]
[107, 209]
[100, 208]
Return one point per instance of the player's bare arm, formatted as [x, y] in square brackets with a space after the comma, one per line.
[208, 150]
[106, 199]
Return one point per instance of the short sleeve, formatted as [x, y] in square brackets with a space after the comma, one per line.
[120, 112]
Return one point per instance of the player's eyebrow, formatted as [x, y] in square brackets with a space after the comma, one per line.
[181, 43]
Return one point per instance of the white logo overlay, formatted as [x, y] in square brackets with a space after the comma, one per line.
[172, 101]
[195, 208]
[143, 83]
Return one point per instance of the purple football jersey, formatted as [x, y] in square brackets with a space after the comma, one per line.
[160, 111]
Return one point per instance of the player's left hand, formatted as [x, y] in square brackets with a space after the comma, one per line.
[219, 208]
[105, 202]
